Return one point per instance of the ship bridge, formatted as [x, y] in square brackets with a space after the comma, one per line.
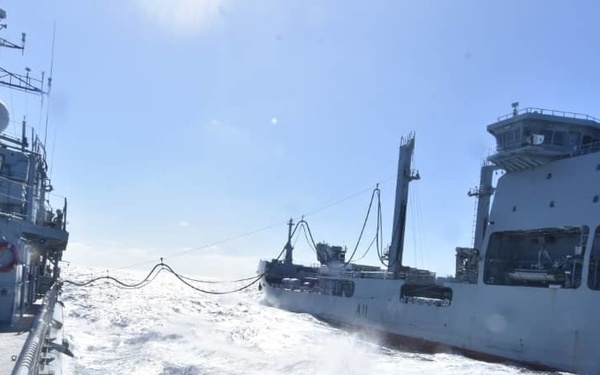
[533, 137]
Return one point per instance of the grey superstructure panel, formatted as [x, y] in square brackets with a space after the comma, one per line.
[557, 194]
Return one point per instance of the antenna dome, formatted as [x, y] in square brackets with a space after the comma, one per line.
[4, 117]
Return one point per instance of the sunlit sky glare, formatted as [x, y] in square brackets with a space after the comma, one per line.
[175, 124]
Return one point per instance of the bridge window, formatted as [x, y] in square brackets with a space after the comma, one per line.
[547, 136]
[560, 138]
[500, 141]
[509, 138]
[574, 138]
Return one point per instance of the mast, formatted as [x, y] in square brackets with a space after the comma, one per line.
[484, 195]
[405, 176]
[288, 245]
[23, 82]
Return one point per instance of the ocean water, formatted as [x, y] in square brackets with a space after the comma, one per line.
[167, 328]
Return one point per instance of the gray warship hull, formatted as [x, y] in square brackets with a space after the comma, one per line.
[527, 291]
[532, 329]
[33, 236]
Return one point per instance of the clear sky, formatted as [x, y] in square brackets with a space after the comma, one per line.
[175, 124]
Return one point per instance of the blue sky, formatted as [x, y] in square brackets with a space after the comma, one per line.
[175, 124]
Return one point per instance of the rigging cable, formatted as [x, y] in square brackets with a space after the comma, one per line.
[311, 241]
[217, 242]
[159, 267]
[375, 238]
[246, 234]
[375, 192]
[378, 238]
[114, 279]
[184, 279]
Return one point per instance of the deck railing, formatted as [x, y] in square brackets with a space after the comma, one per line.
[550, 112]
[30, 358]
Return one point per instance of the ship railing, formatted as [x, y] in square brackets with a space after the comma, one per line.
[297, 288]
[551, 112]
[370, 274]
[50, 217]
[13, 204]
[12, 201]
[558, 151]
[13, 181]
[38, 146]
[13, 197]
[587, 149]
[25, 185]
[29, 359]
[21, 143]
[12, 215]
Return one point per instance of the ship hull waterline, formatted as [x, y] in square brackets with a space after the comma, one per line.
[489, 332]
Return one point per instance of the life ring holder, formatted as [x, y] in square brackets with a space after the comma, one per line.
[7, 246]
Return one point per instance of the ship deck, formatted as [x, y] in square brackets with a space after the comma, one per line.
[12, 339]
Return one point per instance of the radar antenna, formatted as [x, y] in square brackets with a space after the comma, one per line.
[515, 107]
[23, 82]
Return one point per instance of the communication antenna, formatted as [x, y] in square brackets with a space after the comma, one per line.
[50, 81]
[23, 82]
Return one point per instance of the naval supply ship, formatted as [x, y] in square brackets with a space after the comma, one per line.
[527, 291]
[33, 237]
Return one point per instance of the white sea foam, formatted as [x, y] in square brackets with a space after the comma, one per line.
[168, 329]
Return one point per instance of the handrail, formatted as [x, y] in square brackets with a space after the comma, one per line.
[559, 150]
[551, 112]
[26, 185]
[29, 358]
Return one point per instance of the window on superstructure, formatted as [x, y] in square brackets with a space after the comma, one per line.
[587, 139]
[500, 141]
[560, 138]
[509, 138]
[547, 136]
[574, 138]
[517, 135]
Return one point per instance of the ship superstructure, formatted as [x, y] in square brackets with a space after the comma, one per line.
[525, 291]
[33, 237]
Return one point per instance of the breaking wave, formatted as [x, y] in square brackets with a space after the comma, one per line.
[168, 329]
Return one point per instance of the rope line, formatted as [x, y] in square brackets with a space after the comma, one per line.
[159, 267]
[376, 193]
[156, 270]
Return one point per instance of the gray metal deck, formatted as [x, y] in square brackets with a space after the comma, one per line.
[12, 339]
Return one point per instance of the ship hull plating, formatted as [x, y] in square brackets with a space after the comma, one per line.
[536, 326]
